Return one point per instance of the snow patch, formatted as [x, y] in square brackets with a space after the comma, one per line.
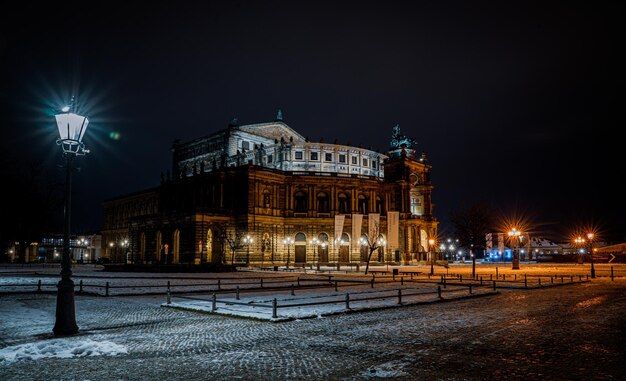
[60, 348]
[390, 369]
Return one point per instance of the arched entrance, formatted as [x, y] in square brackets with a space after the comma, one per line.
[322, 249]
[344, 248]
[300, 248]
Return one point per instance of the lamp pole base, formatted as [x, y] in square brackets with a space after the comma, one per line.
[65, 314]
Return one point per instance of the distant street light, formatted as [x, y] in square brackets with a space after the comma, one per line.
[514, 235]
[590, 239]
[580, 241]
[71, 128]
[431, 243]
[288, 242]
[247, 240]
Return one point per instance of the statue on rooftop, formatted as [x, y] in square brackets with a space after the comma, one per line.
[401, 141]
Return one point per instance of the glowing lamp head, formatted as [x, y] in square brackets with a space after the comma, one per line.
[71, 128]
[66, 109]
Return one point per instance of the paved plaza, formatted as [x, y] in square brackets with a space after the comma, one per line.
[574, 331]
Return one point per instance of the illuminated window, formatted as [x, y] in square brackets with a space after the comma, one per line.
[299, 155]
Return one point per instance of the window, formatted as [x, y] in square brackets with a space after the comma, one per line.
[328, 156]
[342, 158]
[344, 203]
[354, 160]
[364, 162]
[322, 203]
[245, 145]
[298, 155]
[269, 159]
[362, 204]
[374, 164]
[314, 155]
[300, 204]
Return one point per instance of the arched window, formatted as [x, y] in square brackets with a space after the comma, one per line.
[344, 203]
[301, 238]
[380, 205]
[300, 204]
[322, 203]
[267, 200]
[362, 204]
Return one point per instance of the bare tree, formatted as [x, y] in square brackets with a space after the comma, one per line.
[372, 244]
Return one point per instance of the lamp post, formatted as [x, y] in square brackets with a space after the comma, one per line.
[590, 239]
[431, 243]
[514, 235]
[247, 240]
[71, 128]
[580, 241]
[315, 242]
[288, 242]
[125, 249]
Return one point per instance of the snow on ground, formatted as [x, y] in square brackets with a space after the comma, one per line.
[60, 348]
[320, 302]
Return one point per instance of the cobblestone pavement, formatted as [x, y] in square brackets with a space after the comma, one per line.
[562, 333]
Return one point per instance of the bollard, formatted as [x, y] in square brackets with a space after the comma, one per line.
[237, 297]
[561, 278]
[611, 273]
[261, 282]
[503, 276]
[219, 284]
[335, 284]
[214, 303]
[372, 282]
[525, 281]
[494, 285]
[411, 276]
[298, 281]
[169, 297]
[402, 281]
[445, 282]
[347, 301]
[587, 276]
[490, 276]
[580, 278]
[460, 278]
[399, 296]
[539, 281]
[168, 285]
[80, 286]
[107, 289]
[39, 285]
[571, 278]
[292, 290]
[429, 276]
[551, 279]
[439, 292]
[481, 280]
[274, 308]
[496, 273]
[470, 288]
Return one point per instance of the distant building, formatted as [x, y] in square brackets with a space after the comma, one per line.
[268, 182]
[84, 248]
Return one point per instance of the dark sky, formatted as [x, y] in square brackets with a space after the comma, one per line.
[517, 105]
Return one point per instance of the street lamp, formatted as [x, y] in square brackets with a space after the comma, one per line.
[125, 249]
[514, 235]
[580, 241]
[431, 243]
[247, 240]
[71, 128]
[315, 242]
[288, 242]
[590, 239]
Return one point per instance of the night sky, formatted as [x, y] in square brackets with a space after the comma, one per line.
[515, 105]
